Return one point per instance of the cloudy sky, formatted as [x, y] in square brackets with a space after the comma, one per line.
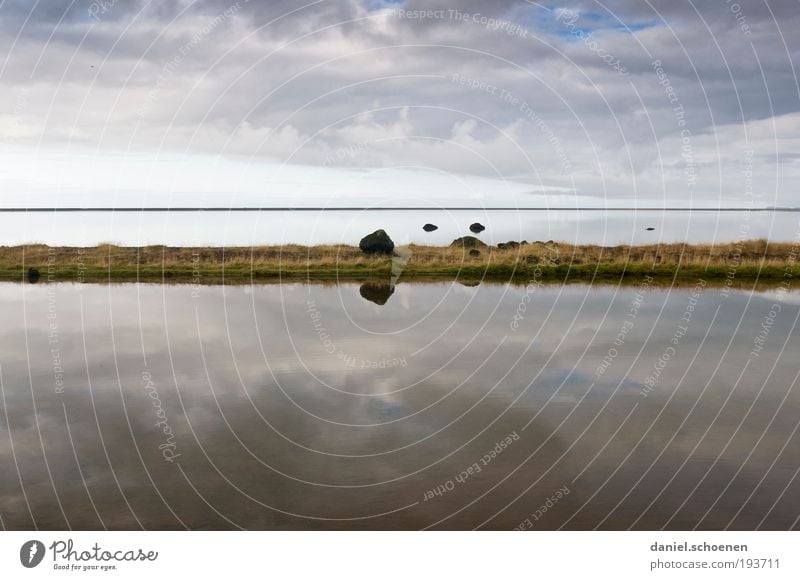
[476, 102]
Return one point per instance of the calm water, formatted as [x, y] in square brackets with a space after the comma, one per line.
[348, 227]
[343, 406]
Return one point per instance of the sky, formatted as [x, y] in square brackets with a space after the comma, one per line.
[622, 103]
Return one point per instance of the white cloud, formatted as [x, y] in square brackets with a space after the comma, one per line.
[339, 87]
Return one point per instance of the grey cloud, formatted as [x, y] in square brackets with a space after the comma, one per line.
[180, 71]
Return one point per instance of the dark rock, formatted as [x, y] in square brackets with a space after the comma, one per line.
[33, 275]
[508, 245]
[523, 243]
[650, 229]
[376, 292]
[476, 228]
[474, 253]
[378, 242]
[430, 228]
[467, 242]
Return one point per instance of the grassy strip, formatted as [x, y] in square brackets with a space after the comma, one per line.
[205, 273]
[546, 261]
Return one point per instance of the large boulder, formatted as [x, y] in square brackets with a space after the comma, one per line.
[467, 242]
[378, 242]
[476, 228]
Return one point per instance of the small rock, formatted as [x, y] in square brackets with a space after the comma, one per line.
[476, 228]
[33, 275]
[474, 253]
[467, 242]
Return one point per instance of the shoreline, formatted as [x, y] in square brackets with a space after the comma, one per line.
[752, 260]
[178, 209]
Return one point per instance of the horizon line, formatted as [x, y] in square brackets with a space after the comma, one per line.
[412, 208]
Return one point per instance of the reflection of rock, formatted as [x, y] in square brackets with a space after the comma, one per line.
[378, 242]
[33, 275]
[430, 228]
[467, 242]
[376, 292]
[476, 228]
[470, 283]
[650, 229]
[474, 253]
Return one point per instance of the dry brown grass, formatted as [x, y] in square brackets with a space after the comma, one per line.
[751, 259]
[750, 252]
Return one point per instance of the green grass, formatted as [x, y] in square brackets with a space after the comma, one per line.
[552, 262]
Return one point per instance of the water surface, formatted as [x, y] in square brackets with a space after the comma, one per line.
[200, 228]
[423, 406]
